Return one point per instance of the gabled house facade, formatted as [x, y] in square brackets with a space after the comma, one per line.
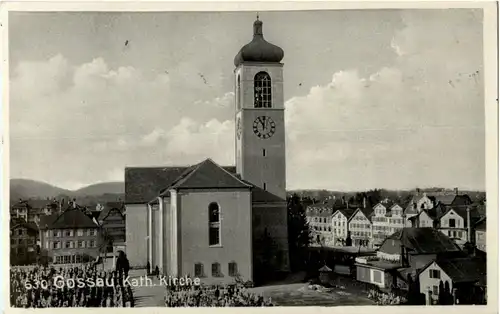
[458, 223]
[112, 221]
[319, 218]
[360, 227]
[24, 238]
[70, 237]
[387, 218]
[462, 280]
[340, 225]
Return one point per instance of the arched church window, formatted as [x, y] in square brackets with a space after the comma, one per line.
[262, 90]
[214, 224]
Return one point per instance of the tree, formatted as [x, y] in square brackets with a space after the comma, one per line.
[299, 233]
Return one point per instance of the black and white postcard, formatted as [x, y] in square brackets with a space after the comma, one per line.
[250, 155]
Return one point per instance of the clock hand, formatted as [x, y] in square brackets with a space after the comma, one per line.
[262, 122]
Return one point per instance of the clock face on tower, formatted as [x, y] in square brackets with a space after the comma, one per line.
[264, 127]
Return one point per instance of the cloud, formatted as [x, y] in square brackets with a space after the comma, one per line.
[414, 121]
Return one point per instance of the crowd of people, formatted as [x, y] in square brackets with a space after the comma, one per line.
[80, 286]
[219, 296]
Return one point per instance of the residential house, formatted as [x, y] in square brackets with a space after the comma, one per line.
[23, 243]
[360, 227]
[20, 210]
[422, 220]
[480, 229]
[388, 217]
[326, 230]
[70, 237]
[457, 223]
[31, 210]
[462, 279]
[410, 210]
[402, 254]
[340, 225]
[319, 218]
[424, 202]
[112, 221]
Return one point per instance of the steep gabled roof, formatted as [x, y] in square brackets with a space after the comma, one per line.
[105, 213]
[28, 225]
[367, 212]
[109, 207]
[208, 174]
[446, 199]
[461, 200]
[142, 184]
[347, 212]
[72, 218]
[437, 211]
[462, 212]
[465, 269]
[424, 241]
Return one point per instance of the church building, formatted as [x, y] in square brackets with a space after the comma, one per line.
[216, 222]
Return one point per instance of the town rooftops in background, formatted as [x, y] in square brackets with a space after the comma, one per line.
[420, 241]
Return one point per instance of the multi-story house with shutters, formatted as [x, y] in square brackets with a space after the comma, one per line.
[70, 237]
[458, 223]
[340, 225]
[388, 217]
[360, 227]
[319, 218]
[23, 243]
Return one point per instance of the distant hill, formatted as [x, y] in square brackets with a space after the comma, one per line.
[25, 188]
[102, 188]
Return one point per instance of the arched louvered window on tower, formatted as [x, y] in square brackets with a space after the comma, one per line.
[262, 90]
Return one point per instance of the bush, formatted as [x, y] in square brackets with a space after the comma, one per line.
[382, 298]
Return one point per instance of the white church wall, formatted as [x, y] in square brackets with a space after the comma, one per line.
[236, 234]
[136, 233]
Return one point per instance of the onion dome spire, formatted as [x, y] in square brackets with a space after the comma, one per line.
[259, 50]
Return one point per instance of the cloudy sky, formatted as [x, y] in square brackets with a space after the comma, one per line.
[387, 98]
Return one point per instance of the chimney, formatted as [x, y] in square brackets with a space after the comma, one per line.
[364, 202]
[456, 191]
[418, 191]
[343, 200]
[347, 204]
[469, 228]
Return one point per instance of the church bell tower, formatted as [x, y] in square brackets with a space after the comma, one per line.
[260, 121]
